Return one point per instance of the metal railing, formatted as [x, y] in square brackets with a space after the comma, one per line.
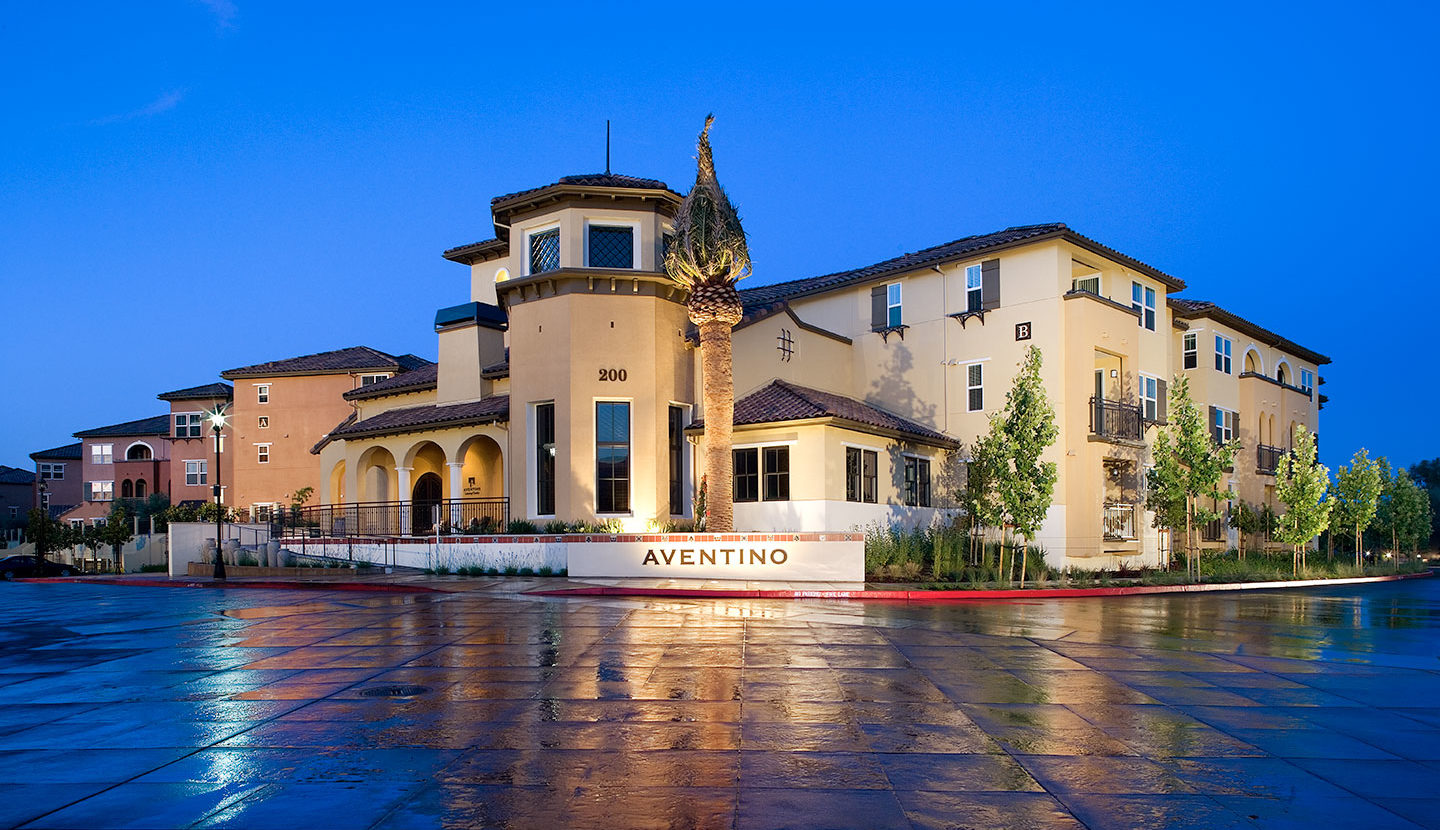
[1116, 419]
[394, 518]
[1267, 458]
[1119, 522]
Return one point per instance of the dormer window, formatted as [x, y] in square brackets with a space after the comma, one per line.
[612, 247]
[545, 251]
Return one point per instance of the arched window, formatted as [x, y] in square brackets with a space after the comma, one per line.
[140, 488]
[139, 452]
[127, 489]
[1281, 373]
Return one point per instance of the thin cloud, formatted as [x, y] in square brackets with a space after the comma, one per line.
[164, 103]
[224, 12]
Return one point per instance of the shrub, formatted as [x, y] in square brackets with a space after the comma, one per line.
[521, 527]
[526, 571]
[442, 570]
[493, 571]
[153, 569]
[247, 560]
[511, 570]
[546, 570]
[556, 526]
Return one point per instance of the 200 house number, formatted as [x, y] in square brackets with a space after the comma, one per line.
[607, 375]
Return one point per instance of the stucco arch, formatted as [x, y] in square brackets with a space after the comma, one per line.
[482, 473]
[426, 456]
[1254, 361]
[336, 493]
[139, 451]
[1283, 372]
[376, 475]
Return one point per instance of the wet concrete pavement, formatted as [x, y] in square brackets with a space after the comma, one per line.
[156, 708]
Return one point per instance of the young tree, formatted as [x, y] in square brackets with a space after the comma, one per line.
[46, 532]
[978, 497]
[1426, 474]
[1188, 466]
[1408, 516]
[116, 532]
[1026, 484]
[1245, 519]
[1355, 496]
[707, 257]
[1301, 483]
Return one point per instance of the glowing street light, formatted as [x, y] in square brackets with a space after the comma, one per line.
[217, 423]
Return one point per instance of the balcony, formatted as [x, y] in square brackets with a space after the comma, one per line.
[1267, 459]
[1119, 523]
[395, 518]
[1116, 420]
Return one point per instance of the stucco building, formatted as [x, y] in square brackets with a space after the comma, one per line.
[58, 469]
[128, 460]
[569, 386]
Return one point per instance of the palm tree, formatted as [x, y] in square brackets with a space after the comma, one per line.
[707, 257]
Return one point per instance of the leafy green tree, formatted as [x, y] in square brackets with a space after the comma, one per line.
[1301, 484]
[1245, 519]
[1026, 484]
[978, 497]
[1404, 513]
[1427, 475]
[1188, 465]
[89, 537]
[116, 532]
[1355, 496]
[46, 532]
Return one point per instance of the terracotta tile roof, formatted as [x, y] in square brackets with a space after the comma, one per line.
[591, 180]
[430, 416]
[196, 393]
[476, 250]
[960, 248]
[339, 361]
[781, 401]
[15, 475]
[67, 452]
[1191, 309]
[415, 380]
[157, 425]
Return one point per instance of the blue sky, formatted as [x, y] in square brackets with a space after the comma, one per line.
[193, 186]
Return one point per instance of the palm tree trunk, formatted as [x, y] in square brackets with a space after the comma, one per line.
[719, 389]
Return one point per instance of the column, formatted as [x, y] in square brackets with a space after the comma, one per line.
[406, 525]
[457, 492]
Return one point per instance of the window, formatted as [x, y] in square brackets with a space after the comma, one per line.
[917, 481]
[370, 380]
[545, 251]
[14, 511]
[545, 459]
[1307, 380]
[777, 473]
[1222, 427]
[666, 240]
[612, 247]
[189, 425]
[677, 460]
[127, 489]
[1090, 285]
[45, 501]
[747, 475]
[1142, 299]
[892, 304]
[1150, 397]
[140, 488]
[861, 468]
[974, 288]
[99, 491]
[975, 387]
[196, 472]
[102, 453]
[52, 472]
[262, 453]
[264, 422]
[1223, 347]
[612, 457]
[262, 393]
[1192, 351]
[138, 452]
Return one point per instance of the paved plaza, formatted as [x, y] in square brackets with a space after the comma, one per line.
[160, 707]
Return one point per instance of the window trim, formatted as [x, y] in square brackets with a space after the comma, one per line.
[894, 311]
[1224, 356]
[677, 472]
[262, 453]
[194, 424]
[47, 470]
[1307, 380]
[970, 389]
[106, 457]
[602, 222]
[1225, 429]
[629, 455]
[1190, 350]
[528, 253]
[917, 489]
[201, 472]
[262, 393]
[861, 480]
[375, 377]
[538, 448]
[1149, 403]
[974, 295]
[739, 494]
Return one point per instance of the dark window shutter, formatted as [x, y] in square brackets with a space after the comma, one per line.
[1162, 402]
[877, 307]
[89, 492]
[1214, 430]
[990, 284]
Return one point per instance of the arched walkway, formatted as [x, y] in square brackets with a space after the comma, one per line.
[337, 483]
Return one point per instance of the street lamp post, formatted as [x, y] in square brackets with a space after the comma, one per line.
[217, 422]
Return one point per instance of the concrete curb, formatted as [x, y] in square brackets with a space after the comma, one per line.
[922, 597]
[284, 585]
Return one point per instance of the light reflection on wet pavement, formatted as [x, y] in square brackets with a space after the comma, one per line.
[155, 707]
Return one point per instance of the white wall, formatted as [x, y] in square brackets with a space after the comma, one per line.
[187, 539]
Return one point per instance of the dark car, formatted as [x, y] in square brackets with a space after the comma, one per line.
[12, 567]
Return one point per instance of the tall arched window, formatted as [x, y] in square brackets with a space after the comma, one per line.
[138, 452]
[140, 488]
[127, 489]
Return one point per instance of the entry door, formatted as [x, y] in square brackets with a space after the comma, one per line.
[426, 497]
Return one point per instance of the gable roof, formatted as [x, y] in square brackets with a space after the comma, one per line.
[783, 401]
[15, 475]
[1191, 309]
[415, 380]
[959, 249]
[429, 416]
[337, 362]
[157, 425]
[66, 453]
[198, 393]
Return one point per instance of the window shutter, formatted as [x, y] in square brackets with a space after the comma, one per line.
[1214, 430]
[1162, 402]
[990, 284]
[89, 492]
[877, 307]
[1232, 420]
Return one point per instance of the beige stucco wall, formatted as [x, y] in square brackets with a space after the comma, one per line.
[302, 409]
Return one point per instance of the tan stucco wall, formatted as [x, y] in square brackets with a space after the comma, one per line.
[302, 409]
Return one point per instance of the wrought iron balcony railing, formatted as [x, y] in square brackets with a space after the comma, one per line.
[395, 518]
[1119, 522]
[1267, 458]
[1116, 420]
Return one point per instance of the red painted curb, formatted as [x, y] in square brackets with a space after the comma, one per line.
[270, 585]
[961, 595]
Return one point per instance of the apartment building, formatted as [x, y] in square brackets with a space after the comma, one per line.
[570, 386]
[193, 453]
[58, 469]
[129, 460]
[281, 408]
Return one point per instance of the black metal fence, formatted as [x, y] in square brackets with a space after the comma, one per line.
[1267, 458]
[1116, 419]
[394, 518]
